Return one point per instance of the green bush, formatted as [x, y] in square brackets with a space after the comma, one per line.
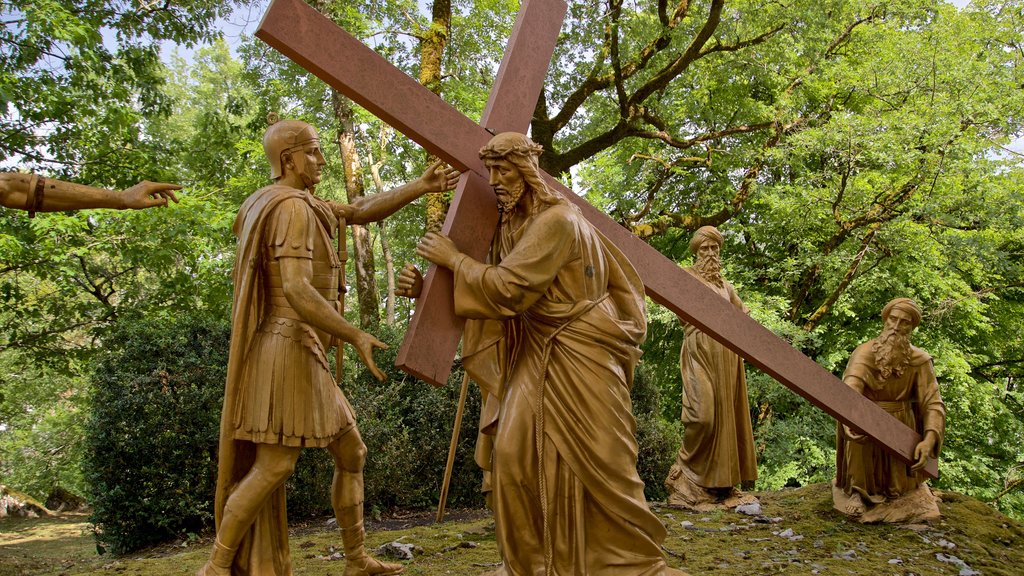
[152, 437]
[407, 426]
[658, 439]
[151, 461]
[43, 411]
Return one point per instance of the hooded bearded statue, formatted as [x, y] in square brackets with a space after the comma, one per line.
[871, 484]
[717, 452]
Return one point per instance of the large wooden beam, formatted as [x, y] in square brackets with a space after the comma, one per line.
[344, 63]
[433, 334]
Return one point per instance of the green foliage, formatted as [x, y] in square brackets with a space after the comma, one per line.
[658, 439]
[60, 71]
[407, 426]
[42, 427]
[151, 461]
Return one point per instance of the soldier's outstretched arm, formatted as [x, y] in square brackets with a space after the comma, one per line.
[39, 194]
[318, 312]
[436, 178]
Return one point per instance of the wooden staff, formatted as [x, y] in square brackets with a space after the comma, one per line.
[451, 448]
[339, 350]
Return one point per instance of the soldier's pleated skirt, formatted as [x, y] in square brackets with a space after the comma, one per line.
[286, 394]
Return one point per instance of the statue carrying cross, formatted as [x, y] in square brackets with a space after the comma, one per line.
[347, 65]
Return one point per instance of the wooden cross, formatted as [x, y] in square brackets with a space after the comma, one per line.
[343, 62]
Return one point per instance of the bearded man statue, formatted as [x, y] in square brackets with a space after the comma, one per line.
[717, 452]
[871, 484]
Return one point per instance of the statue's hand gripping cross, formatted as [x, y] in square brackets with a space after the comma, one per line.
[343, 62]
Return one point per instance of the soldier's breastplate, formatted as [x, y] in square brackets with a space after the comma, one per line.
[326, 268]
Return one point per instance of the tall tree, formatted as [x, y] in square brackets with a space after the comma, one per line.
[433, 40]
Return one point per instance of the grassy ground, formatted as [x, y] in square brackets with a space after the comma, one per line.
[798, 534]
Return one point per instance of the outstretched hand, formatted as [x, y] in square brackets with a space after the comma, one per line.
[410, 282]
[148, 194]
[439, 249]
[364, 345]
[440, 177]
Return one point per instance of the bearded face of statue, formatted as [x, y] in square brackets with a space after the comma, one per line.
[709, 262]
[892, 347]
[508, 183]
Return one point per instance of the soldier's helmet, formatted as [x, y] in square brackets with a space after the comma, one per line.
[285, 136]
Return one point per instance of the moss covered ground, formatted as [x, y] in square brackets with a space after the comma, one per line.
[798, 533]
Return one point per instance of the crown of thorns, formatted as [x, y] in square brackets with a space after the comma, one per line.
[493, 152]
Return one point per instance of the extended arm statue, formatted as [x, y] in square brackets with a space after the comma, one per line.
[35, 193]
[375, 207]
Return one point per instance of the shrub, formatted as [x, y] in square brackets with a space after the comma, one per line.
[152, 436]
[658, 440]
[407, 426]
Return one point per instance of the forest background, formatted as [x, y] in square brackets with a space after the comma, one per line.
[851, 151]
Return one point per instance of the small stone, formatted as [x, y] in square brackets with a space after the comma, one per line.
[705, 519]
[399, 550]
[946, 544]
[332, 523]
[819, 543]
[751, 509]
[787, 533]
[846, 555]
[686, 524]
[896, 561]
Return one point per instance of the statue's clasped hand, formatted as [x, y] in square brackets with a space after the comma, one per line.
[438, 249]
[409, 283]
[924, 450]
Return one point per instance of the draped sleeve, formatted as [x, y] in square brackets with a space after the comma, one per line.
[508, 289]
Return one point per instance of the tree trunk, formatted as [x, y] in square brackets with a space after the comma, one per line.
[385, 247]
[432, 45]
[362, 248]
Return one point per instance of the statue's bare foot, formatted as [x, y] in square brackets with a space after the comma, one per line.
[366, 565]
[855, 506]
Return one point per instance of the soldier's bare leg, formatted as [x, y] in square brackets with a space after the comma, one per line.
[349, 454]
[272, 466]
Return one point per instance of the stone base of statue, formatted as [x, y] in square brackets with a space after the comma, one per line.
[914, 507]
[685, 493]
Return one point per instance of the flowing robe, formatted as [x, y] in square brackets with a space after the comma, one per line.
[278, 388]
[913, 398]
[566, 490]
[718, 445]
